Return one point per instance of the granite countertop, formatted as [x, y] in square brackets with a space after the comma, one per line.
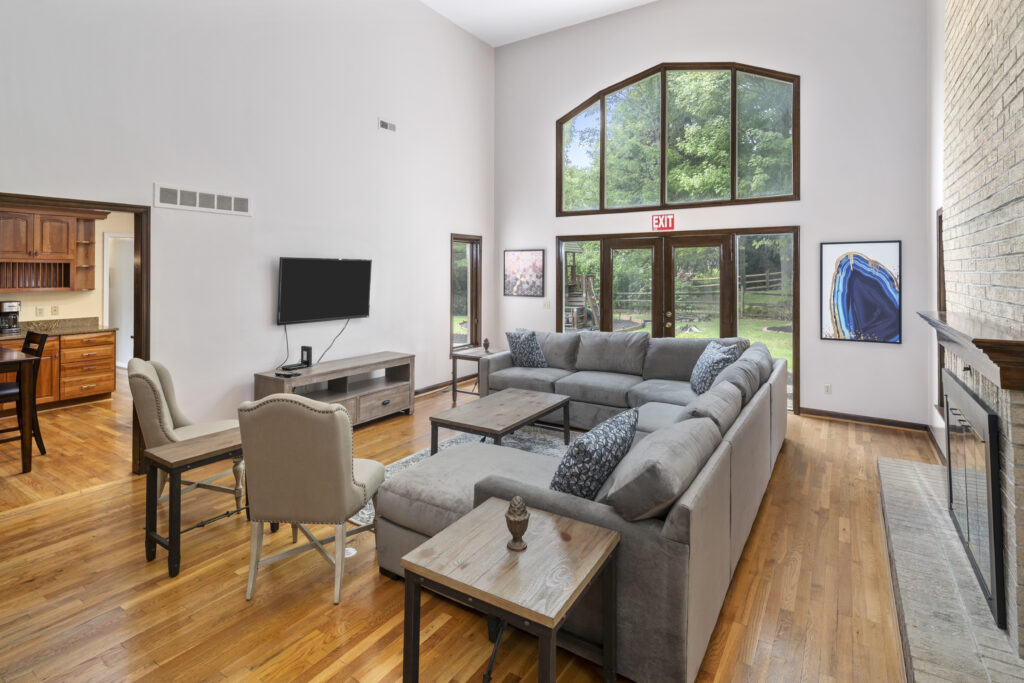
[58, 327]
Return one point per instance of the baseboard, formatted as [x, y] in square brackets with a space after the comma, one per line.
[880, 421]
[447, 384]
[935, 445]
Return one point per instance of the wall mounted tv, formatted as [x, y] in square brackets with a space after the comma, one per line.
[312, 289]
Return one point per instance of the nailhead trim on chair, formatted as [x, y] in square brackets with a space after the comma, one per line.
[331, 409]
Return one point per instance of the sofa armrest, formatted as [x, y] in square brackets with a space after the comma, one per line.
[564, 504]
[489, 364]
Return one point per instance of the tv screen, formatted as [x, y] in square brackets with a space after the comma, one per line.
[311, 289]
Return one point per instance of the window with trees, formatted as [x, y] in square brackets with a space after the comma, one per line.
[465, 293]
[681, 135]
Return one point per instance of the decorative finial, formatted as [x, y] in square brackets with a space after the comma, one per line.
[517, 518]
[487, 345]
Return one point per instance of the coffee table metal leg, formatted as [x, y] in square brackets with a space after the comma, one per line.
[565, 423]
[608, 597]
[411, 645]
[151, 495]
[547, 647]
[174, 525]
[433, 438]
[497, 439]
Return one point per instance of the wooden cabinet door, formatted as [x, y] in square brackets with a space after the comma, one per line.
[55, 237]
[48, 379]
[16, 235]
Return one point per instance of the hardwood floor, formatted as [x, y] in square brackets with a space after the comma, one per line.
[811, 598]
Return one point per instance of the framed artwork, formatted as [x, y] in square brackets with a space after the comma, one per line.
[524, 272]
[860, 291]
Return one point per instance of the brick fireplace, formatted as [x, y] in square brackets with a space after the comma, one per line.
[983, 237]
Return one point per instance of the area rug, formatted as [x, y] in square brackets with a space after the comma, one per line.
[532, 439]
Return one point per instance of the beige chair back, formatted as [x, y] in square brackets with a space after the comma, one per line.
[298, 455]
[155, 402]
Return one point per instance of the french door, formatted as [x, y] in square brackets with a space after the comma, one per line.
[682, 286]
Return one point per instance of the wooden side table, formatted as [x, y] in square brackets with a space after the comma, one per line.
[474, 354]
[532, 590]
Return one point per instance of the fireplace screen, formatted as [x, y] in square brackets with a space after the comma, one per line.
[974, 499]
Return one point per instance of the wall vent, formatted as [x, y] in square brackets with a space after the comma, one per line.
[168, 196]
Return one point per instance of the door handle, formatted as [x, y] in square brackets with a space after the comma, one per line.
[90, 353]
[88, 386]
[386, 402]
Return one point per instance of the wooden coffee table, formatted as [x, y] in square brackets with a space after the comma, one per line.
[496, 415]
[532, 590]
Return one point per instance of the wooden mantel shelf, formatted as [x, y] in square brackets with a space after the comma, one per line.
[995, 350]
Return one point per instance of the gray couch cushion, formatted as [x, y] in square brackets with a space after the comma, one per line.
[674, 358]
[534, 379]
[605, 388]
[721, 403]
[662, 391]
[621, 352]
[655, 415]
[661, 467]
[760, 354]
[560, 349]
[591, 458]
[439, 490]
[744, 375]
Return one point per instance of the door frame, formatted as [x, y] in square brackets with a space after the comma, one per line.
[606, 277]
[726, 276]
[141, 330]
[731, 233]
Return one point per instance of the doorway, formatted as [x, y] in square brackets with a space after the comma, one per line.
[118, 288]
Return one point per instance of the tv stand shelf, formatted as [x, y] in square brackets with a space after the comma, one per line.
[348, 382]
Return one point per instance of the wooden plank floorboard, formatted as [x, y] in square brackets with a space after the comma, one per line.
[811, 598]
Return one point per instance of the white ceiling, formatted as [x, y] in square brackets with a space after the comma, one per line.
[498, 22]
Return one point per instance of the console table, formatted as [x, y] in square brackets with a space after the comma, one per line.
[348, 382]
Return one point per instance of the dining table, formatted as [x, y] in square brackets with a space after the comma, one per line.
[16, 361]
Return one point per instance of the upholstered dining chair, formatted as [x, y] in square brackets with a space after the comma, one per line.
[162, 422]
[299, 471]
[33, 345]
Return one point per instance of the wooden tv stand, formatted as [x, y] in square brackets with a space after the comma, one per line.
[348, 382]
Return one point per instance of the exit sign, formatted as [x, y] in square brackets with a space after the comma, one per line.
[663, 221]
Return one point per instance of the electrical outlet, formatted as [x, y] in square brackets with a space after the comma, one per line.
[40, 311]
[54, 310]
[547, 305]
[828, 388]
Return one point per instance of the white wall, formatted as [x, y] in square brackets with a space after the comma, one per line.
[936, 41]
[278, 101]
[864, 164]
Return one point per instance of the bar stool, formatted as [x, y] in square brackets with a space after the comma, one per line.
[9, 391]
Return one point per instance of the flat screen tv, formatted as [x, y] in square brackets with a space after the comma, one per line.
[312, 289]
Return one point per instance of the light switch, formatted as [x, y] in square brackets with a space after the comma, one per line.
[40, 311]
[54, 310]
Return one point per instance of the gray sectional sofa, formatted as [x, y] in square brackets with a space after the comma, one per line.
[674, 567]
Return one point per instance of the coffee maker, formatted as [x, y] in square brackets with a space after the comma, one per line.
[9, 311]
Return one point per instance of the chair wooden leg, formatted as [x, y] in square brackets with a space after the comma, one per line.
[37, 433]
[339, 560]
[238, 469]
[255, 549]
[295, 533]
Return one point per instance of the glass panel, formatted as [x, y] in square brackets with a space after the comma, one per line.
[461, 291]
[976, 464]
[957, 479]
[764, 290]
[632, 280]
[581, 158]
[699, 107]
[633, 145]
[696, 278]
[581, 283]
[764, 131]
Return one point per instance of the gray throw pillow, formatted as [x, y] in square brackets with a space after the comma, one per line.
[712, 361]
[661, 467]
[525, 349]
[591, 458]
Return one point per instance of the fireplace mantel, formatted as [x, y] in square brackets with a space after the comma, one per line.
[997, 352]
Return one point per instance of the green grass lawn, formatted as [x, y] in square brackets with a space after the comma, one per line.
[779, 344]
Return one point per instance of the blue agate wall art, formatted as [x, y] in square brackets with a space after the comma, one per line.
[860, 291]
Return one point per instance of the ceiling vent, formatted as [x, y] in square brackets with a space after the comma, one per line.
[167, 196]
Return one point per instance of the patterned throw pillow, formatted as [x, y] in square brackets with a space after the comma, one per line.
[525, 349]
[715, 358]
[590, 459]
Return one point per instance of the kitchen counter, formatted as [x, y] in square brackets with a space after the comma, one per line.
[59, 327]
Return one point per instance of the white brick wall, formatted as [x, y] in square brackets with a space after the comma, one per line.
[983, 222]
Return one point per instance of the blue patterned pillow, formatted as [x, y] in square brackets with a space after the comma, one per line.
[525, 349]
[590, 459]
[715, 358]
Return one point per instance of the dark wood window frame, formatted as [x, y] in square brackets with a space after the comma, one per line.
[732, 67]
[622, 239]
[475, 243]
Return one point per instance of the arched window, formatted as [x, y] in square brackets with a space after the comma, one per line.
[681, 135]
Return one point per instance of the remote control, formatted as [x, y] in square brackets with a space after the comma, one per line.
[287, 374]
